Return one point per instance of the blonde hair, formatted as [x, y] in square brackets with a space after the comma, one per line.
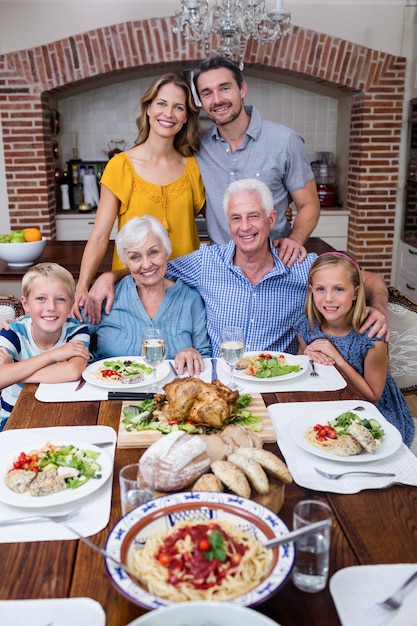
[48, 270]
[357, 313]
[187, 140]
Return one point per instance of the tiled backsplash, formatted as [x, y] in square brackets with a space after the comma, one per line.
[107, 113]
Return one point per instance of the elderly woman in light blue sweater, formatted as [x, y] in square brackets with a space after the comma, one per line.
[145, 299]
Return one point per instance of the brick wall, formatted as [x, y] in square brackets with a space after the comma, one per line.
[374, 79]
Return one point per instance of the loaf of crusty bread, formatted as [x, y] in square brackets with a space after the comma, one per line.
[175, 461]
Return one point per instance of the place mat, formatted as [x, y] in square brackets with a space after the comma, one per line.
[357, 590]
[65, 392]
[328, 379]
[57, 611]
[301, 463]
[94, 510]
[144, 438]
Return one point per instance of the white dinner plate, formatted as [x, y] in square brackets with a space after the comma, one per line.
[389, 444]
[25, 500]
[290, 358]
[89, 374]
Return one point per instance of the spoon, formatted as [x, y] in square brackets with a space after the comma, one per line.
[104, 553]
[296, 534]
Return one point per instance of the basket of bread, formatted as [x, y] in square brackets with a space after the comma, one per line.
[232, 460]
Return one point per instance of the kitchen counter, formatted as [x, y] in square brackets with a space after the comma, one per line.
[69, 255]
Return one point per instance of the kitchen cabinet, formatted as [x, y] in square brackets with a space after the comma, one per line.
[332, 227]
[74, 226]
[406, 279]
[407, 270]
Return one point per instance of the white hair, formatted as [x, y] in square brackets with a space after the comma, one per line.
[135, 232]
[253, 186]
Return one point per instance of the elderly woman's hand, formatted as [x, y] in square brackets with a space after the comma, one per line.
[190, 359]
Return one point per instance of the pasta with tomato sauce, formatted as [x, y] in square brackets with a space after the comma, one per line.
[181, 565]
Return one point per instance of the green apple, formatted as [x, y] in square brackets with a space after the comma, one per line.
[17, 237]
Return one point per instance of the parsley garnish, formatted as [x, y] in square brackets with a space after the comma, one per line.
[218, 549]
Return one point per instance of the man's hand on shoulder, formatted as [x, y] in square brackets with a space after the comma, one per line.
[290, 251]
[377, 322]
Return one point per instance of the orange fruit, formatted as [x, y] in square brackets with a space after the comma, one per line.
[33, 234]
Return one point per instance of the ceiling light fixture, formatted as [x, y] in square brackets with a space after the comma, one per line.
[233, 21]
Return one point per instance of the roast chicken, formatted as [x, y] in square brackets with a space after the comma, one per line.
[210, 405]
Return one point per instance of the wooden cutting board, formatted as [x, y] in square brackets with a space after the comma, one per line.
[144, 438]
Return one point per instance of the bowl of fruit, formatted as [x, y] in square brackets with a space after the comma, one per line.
[22, 247]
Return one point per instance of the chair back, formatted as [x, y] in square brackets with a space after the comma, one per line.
[10, 308]
[402, 321]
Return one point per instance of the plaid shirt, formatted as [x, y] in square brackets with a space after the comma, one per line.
[267, 312]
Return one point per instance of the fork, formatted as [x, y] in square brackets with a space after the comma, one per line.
[313, 368]
[362, 472]
[40, 518]
[396, 599]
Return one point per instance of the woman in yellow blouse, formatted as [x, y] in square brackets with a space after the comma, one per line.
[159, 176]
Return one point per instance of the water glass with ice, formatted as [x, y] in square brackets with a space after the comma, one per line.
[311, 566]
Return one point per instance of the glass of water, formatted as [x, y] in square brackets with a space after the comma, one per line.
[134, 490]
[154, 351]
[231, 349]
[311, 567]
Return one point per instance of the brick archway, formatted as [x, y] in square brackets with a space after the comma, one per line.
[374, 79]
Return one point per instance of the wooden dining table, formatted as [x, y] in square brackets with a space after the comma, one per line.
[371, 527]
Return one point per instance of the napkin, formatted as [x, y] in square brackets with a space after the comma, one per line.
[62, 611]
[369, 584]
[329, 379]
[302, 463]
[94, 511]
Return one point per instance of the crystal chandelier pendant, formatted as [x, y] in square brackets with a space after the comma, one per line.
[231, 23]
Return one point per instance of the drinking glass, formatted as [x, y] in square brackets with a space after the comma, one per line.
[133, 488]
[231, 349]
[153, 351]
[311, 566]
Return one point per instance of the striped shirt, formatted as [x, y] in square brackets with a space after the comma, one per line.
[267, 311]
[21, 346]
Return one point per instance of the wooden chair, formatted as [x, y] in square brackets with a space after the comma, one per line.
[402, 320]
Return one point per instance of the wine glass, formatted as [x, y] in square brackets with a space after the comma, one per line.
[231, 349]
[153, 351]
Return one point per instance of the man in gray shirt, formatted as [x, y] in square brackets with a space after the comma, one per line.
[240, 146]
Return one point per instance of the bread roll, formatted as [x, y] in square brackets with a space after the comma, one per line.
[175, 461]
[208, 482]
[269, 461]
[217, 448]
[232, 477]
[252, 470]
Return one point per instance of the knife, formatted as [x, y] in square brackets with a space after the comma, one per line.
[213, 369]
[129, 395]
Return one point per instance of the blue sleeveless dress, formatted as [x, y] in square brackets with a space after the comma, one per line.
[353, 347]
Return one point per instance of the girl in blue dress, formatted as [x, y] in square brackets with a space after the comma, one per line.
[335, 308]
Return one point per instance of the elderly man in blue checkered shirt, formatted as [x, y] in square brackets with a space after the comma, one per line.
[244, 283]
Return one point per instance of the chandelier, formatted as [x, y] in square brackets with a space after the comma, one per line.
[233, 21]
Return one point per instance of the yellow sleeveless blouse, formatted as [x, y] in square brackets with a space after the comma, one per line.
[175, 205]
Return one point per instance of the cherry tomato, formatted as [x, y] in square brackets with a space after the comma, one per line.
[164, 559]
[236, 558]
[110, 373]
[204, 545]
